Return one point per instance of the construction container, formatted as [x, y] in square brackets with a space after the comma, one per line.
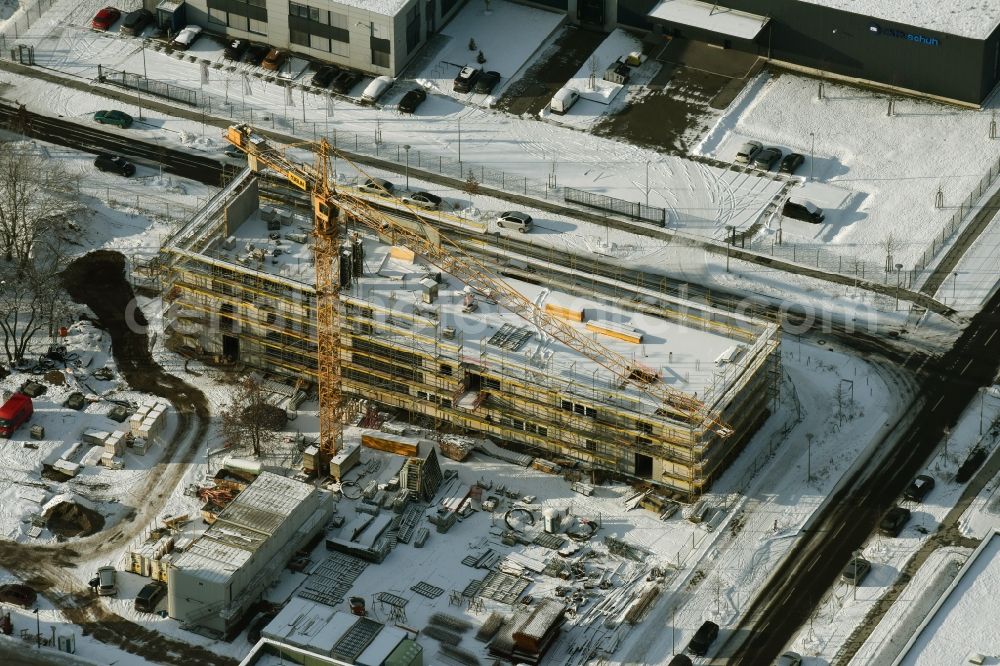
[407, 653]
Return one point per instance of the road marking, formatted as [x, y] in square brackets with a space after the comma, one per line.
[967, 364]
[989, 338]
[937, 403]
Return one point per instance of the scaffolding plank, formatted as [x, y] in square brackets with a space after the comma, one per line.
[427, 590]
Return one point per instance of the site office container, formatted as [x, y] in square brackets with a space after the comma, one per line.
[16, 411]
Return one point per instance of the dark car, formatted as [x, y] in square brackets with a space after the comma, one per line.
[345, 81]
[703, 639]
[919, 488]
[423, 200]
[681, 660]
[790, 163]
[149, 596]
[789, 659]
[856, 570]
[135, 22]
[765, 159]
[487, 82]
[324, 76]
[235, 49]
[412, 100]
[466, 79]
[115, 164]
[256, 53]
[105, 18]
[893, 521]
[803, 210]
[119, 118]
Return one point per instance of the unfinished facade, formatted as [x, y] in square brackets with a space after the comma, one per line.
[240, 287]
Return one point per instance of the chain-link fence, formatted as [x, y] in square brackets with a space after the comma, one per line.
[967, 207]
[818, 256]
[19, 23]
[147, 86]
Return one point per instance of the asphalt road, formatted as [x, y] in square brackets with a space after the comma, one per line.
[947, 385]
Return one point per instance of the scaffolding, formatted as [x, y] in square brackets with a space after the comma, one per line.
[393, 350]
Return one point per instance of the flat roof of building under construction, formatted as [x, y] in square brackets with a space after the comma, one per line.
[242, 527]
[700, 352]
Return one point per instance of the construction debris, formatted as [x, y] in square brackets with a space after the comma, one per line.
[456, 448]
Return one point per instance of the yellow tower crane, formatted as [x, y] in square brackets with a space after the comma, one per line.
[328, 204]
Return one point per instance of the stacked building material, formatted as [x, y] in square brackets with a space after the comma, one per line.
[456, 449]
[152, 557]
[148, 421]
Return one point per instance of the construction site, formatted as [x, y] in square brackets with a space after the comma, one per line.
[662, 392]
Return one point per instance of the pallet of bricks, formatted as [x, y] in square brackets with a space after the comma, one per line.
[147, 423]
[114, 449]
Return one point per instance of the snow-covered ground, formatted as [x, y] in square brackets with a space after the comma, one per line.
[884, 170]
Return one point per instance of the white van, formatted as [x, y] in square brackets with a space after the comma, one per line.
[376, 89]
[563, 100]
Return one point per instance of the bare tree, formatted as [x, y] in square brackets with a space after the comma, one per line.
[249, 419]
[34, 199]
[890, 243]
[594, 65]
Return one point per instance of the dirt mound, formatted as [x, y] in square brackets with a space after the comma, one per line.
[20, 595]
[69, 519]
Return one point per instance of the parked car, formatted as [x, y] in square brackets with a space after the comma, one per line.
[324, 76]
[513, 219]
[790, 163]
[377, 186]
[919, 488]
[412, 100]
[703, 639]
[681, 660]
[487, 82]
[235, 49]
[119, 118]
[345, 81]
[747, 152]
[765, 158]
[423, 200]
[274, 59]
[789, 659]
[105, 18]
[803, 210]
[856, 570]
[186, 37]
[135, 22]
[893, 521]
[107, 584]
[375, 89]
[466, 79]
[115, 164]
[149, 597]
[14, 413]
[256, 53]
[563, 100]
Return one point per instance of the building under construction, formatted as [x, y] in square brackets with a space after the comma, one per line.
[240, 288]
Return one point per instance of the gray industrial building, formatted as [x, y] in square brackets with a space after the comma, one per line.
[374, 36]
[933, 47]
[221, 574]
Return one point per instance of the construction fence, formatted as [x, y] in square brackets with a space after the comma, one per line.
[147, 86]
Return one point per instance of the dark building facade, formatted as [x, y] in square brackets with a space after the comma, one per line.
[952, 66]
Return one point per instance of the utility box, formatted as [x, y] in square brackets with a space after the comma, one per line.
[37, 432]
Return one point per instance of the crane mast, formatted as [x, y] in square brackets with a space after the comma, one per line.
[328, 206]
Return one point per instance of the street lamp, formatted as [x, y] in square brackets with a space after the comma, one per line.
[954, 288]
[857, 556]
[460, 143]
[812, 154]
[899, 272]
[730, 231]
[38, 630]
[647, 183]
[406, 147]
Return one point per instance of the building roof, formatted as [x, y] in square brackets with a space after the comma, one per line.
[242, 527]
[710, 16]
[976, 19]
[964, 621]
[383, 7]
[499, 341]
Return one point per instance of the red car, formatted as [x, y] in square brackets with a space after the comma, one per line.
[105, 18]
